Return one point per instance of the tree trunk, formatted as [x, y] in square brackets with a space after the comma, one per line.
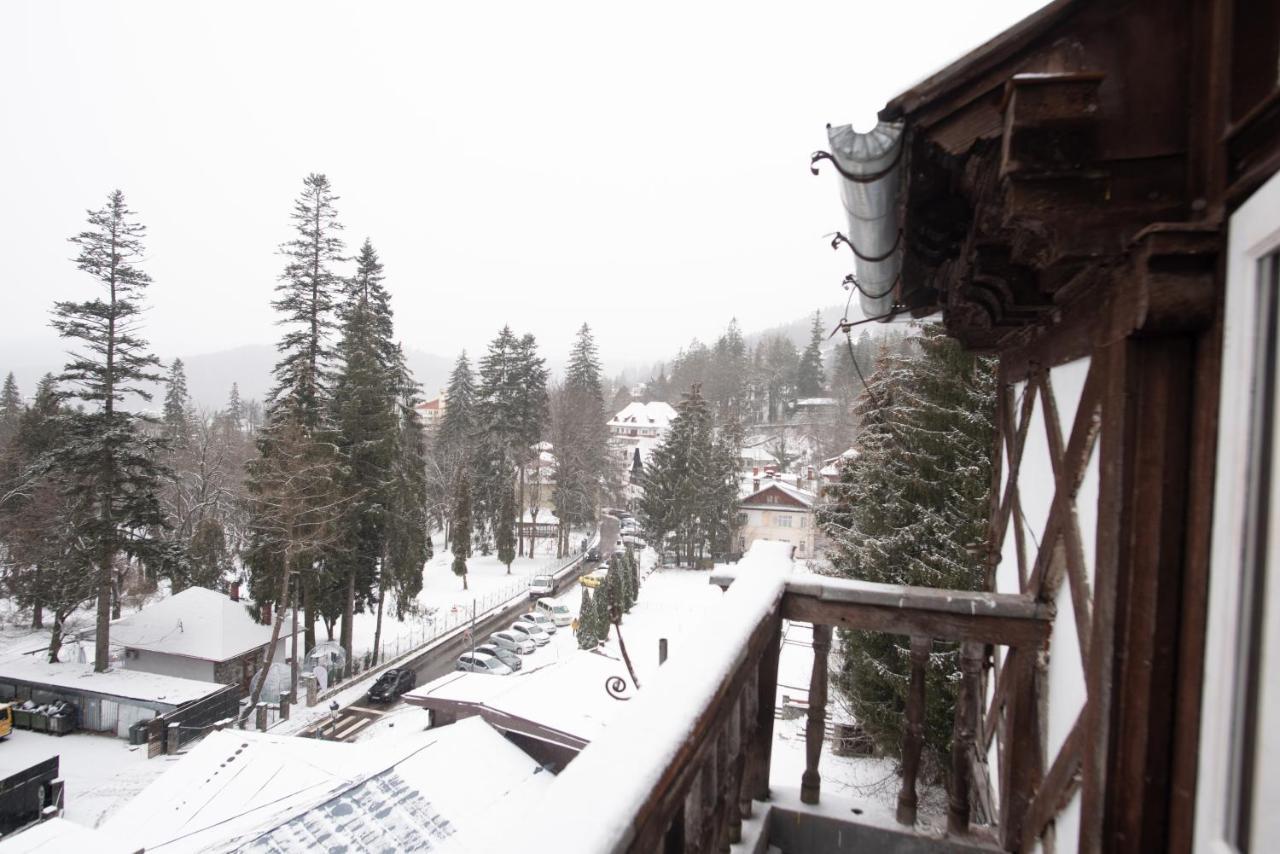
[377, 629]
[348, 618]
[533, 532]
[55, 639]
[520, 504]
[37, 610]
[308, 612]
[464, 581]
[102, 637]
[282, 605]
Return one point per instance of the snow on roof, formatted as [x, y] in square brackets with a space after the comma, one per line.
[58, 834]
[550, 698]
[757, 454]
[433, 404]
[426, 791]
[655, 413]
[803, 496]
[640, 744]
[131, 684]
[816, 401]
[545, 517]
[196, 623]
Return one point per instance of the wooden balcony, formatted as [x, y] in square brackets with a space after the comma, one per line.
[686, 767]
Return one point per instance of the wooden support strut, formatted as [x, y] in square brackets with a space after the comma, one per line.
[963, 738]
[913, 734]
[811, 781]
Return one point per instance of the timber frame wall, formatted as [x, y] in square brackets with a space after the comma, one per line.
[1065, 206]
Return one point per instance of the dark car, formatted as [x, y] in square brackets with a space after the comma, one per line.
[593, 555]
[391, 685]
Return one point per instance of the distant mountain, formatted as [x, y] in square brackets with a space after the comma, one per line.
[209, 375]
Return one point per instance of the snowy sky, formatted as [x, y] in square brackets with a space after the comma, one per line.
[642, 167]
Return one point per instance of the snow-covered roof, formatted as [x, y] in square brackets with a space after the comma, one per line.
[545, 517]
[152, 688]
[438, 790]
[803, 496]
[196, 623]
[757, 455]
[655, 413]
[816, 401]
[548, 703]
[58, 834]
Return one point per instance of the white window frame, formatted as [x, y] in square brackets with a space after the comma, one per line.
[1254, 234]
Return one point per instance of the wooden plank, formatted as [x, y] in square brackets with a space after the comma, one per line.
[1059, 785]
[963, 738]
[1021, 756]
[909, 619]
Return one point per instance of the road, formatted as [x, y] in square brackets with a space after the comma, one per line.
[442, 658]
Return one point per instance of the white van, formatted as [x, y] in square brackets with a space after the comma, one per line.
[558, 612]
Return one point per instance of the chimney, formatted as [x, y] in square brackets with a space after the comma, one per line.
[755, 484]
[755, 471]
[235, 591]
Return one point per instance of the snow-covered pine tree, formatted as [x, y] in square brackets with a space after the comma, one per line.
[530, 413]
[587, 638]
[460, 526]
[10, 410]
[234, 412]
[366, 429]
[106, 455]
[906, 511]
[177, 416]
[600, 620]
[580, 437]
[497, 425]
[811, 380]
[408, 546]
[307, 297]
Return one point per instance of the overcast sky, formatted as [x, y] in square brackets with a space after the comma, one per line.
[642, 167]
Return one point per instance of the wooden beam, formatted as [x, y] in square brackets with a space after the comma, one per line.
[1056, 789]
[1004, 619]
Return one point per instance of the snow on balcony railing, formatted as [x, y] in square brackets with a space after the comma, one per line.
[619, 774]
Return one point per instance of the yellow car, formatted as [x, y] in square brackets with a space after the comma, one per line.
[6, 719]
[593, 579]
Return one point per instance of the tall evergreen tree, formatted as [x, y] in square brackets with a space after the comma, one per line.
[811, 380]
[106, 455]
[10, 410]
[366, 429]
[587, 638]
[177, 417]
[580, 437]
[234, 413]
[905, 511]
[690, 485]
[307, 296]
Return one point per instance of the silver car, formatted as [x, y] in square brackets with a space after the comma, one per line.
[531, 631]
[542, 621]
[512, 642]
[506, 656]
[479, 662]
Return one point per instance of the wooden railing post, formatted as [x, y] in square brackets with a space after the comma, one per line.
[811, 781]
[963, 737]
[737, 763]
[913, 735]
[766, 702]
[750, 721]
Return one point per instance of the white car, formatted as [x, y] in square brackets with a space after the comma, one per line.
[531, 631]
[542, 621]
[557, 611]
[479, 662]
[513, 641]
[542, 585]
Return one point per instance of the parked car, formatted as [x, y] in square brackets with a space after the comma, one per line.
[542, 585]
[633, 540]
[531, 631]
[392, 684]
[512, 642]
[539, 619]
[506, 656]
[478, 662]
[557, 611]
[593, 555]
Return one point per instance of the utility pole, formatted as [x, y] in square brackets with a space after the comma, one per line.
[473, 629]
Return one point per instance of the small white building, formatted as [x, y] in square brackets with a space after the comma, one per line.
[778, 512]
[640, 425]
[197, 634]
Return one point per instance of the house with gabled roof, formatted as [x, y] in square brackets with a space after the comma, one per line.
[774, 510]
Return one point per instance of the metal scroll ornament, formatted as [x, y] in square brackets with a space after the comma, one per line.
[617, 688]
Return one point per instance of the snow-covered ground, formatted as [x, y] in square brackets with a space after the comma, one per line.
[101, 772]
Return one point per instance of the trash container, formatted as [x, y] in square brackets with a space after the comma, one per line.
[138, 732]
[22, 718]
[40, 720]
